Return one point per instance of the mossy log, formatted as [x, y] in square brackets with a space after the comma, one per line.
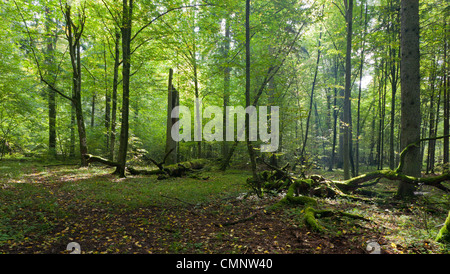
[92, 159]
[356, 182]
[175, 170]
[444, 234]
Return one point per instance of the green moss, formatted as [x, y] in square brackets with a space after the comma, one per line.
[302, 200]
[444, 234]
[310, 219]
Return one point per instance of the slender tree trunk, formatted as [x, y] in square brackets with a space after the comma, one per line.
[347, 92]
[358, 122]
[394, 57]
[78, 108]
[226, 85]
[335, 117]
[410, 92]
[74, 35]
[379, 112]
[436, 126]
[107, 101]
[93, 110]
[251, 152]
[198, 108]
[446, 101]
[394, 77]
[49, 60]
[431, 132]
[171, 144]
[72, 127]
[127, 9]
[114, 96]
[311, 101]
[382, 114]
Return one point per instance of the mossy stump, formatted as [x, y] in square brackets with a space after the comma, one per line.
[444, 234]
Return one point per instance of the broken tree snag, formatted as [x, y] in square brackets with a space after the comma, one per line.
[96, 159]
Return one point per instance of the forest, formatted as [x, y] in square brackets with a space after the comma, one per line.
[283, 127]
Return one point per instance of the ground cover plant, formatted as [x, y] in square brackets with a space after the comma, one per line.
[224, 126]
[46, 207]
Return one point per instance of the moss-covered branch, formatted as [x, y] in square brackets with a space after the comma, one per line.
[92, 159]
[354, 183]
[399, 169]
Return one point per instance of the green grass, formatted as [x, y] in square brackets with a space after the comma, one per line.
[41, 206]
[148, 191]
[34, 199]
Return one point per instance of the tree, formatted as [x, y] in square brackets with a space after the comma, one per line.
[311, 96]
[251, 152]
[346, 123]
[52, 37]
[74, 34]
[127, 19]
[410, 93]
[172, 101]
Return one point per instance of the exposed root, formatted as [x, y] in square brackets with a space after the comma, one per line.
[310, 215]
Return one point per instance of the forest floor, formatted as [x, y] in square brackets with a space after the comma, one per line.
[44, 207]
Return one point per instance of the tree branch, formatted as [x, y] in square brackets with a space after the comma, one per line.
[162, 14]
[36, 59]
[415, 144]
[435, 181]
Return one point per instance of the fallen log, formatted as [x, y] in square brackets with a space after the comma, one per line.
[92, 159]
[356, 182]
[176, 170]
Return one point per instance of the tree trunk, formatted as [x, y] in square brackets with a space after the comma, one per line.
[358, 118]
[72, 128]
[78, 109]
[247, 90]
[49, 61]
[107, 101]
[347, 92]
[432, 132]
[393, 54]
[226, 86]
[127, 9]
[311, 101]
[114, 96]
[93, 110]
[171, 144]
[410, 92]
[446, 101]
[73, 36]
[394, 78]
[198, 108]
[335, 117]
